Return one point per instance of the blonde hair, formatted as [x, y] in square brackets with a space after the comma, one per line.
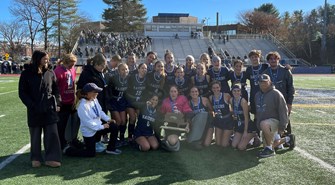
[69, 59]
[255, 52]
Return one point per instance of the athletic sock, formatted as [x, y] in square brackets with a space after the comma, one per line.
[287, 139]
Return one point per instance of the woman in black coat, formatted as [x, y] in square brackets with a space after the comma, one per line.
[39, 93]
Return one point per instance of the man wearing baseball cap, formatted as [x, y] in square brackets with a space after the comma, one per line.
[271, 113]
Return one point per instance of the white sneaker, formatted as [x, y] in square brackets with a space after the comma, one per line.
[114, 152]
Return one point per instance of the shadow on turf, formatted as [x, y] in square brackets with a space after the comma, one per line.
[154, 167]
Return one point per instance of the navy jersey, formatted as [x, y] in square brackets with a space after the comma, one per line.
[220, 106]
[117, 87]
[222, 75]
[189, 72]
[183, 85]
[155, 82]
[170, 74]
[150, 68]
[242, 79]
[111, 73]
[146, 119]
[132, 70]
[282, 79]
[223, 118]
[202, 84]
[116, 91]
[238, 110]
[198, 107]
[136, 87]
[252, 74]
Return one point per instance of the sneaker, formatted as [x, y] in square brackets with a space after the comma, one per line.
[267, 153]
[99, 147]
[66, 148]
[292, 141]
[53, 164]
[35, 164]
[114, 152]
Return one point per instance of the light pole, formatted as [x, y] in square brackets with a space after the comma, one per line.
[206, 19]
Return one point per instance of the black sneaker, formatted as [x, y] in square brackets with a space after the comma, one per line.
[292, 141]
[267, 153]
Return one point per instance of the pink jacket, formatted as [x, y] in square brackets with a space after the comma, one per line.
[181, 103]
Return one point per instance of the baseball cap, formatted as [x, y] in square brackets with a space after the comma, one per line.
[89, 87]
[264, 78]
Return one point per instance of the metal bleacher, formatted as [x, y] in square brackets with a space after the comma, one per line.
[241, 45]
[180, 47]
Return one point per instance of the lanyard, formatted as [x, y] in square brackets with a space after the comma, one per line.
[238, 79]
[274, 76]
[217, 103]
[174, 107]
[95, 109]
[196, 107]
[236, 105]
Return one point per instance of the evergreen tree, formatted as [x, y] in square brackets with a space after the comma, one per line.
[65, 16]
[124, 15]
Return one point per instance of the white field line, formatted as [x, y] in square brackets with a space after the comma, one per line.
[14, 156]
[2, 116]
[8, 92]
[311, 157]
[320, 111]
[318, 124]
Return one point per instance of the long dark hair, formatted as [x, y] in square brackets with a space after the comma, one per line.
[36, 59]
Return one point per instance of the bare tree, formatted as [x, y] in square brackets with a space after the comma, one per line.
[26, 13]
[15, 34]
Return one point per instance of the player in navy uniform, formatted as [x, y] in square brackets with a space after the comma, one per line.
[203, 114]
[144, 132]
[219, 73]
[170, 69]
[206, 60]
[183, 83]
[239, 77]
[150, 60]
[131, 63]
[112, 67]
[252, 74]
[201, 80]
[244, 129]
[223, 121]
[189, 68]
[156, 79]
[117, 101]
[134, 94]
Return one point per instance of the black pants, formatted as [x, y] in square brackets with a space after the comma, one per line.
[63, 114]
[89, 149]
[51, 143]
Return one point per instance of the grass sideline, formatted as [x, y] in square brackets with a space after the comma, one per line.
[314, 130]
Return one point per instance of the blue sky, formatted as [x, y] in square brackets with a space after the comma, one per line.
[228, 9]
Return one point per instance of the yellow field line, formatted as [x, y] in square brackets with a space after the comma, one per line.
[314, 105]
[317, 124]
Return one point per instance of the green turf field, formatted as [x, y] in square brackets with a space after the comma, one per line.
[313, 124]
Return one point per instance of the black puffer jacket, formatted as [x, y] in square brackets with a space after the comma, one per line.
[91, 75]
[39, 93]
